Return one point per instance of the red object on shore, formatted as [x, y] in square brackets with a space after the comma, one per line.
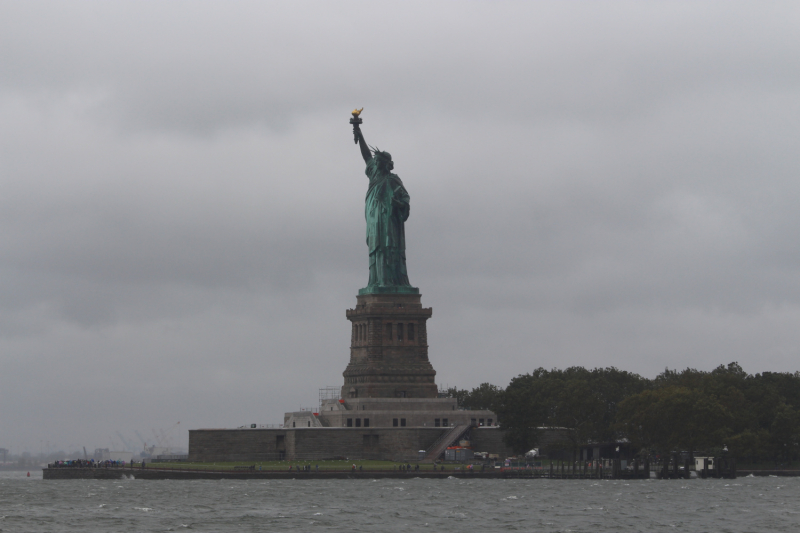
[29, 474]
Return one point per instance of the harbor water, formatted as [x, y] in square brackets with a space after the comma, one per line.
[30, 504]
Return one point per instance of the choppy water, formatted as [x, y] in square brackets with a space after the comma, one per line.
[745, 504]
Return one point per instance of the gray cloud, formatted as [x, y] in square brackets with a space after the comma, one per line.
[182, 205]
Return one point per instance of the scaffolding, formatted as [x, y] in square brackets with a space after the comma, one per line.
[328, 393]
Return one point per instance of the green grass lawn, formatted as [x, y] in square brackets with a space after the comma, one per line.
[339, 465]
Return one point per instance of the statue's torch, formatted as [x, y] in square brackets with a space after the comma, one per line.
[356, 122]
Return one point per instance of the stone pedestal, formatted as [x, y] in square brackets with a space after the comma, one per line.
[389, 349]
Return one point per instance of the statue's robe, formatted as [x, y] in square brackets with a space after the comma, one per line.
[386, 209]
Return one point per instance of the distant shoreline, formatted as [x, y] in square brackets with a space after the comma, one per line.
[20, 468]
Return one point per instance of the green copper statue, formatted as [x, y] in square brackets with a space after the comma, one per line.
[386, 210]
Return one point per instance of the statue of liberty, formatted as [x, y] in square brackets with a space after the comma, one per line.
[386, 209]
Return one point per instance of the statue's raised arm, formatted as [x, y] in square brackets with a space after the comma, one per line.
[358, 137]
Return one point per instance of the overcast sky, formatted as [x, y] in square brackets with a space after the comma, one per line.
[181, 210]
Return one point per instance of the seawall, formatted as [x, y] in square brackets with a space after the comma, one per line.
[185, 474]
[156, 474]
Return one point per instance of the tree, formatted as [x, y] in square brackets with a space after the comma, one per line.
[755, 415]
[459, 394]
[785, 433]
[484, 396]
[522, 408]
[579, 400]
[674, 418]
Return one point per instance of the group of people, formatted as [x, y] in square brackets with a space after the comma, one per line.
[471, 468]
[91, 463]
[73, 463]
[298, 468]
